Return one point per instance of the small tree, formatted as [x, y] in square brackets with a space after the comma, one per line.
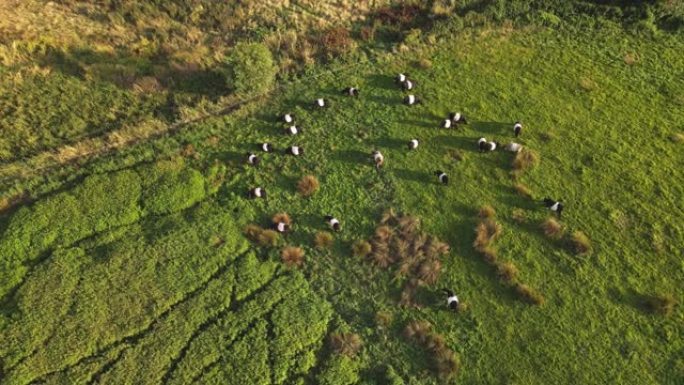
[251, 70]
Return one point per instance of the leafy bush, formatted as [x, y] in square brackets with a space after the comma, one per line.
[323, 239]
[580, 243]
[308, 185]
[251, 70]
[170, 186]
[292, 256]
[339, 370]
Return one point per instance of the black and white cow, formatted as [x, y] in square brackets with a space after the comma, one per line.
[292, 130]
[266, 147]
[333, 222]
[452, 299]
[407, 85]
[486, 146]
[281, 227]
[442, 176]
[321, 103]
[294, 150]
[517, 128]
[257, 192]
[410, 100]
[401, 78]
[413, 144]
[554, 205]
[287, 118]
[447, 123]
[252, 159]
[513, 147]
[458, 118]
[351, 91]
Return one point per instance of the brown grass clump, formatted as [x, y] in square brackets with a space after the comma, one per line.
[552, 228]
[529, 294]
[446, 362]
[361, 248]
[383, 233]
[677, 137]
[489, 255]
[662, 304]
[262, 237]
[630, 58]
[292, 256]
[336, 41]
[507, 272]
[282, 217]
[383, 319]
[523, 190]
[525, 159]
[486, 211]
[323, 240]
[587, 84]
[519, 216]
[485, 232]
[347, 344]
[424, 64]
[580, 243]
[418, 330]
[429, 271]
[308, 185]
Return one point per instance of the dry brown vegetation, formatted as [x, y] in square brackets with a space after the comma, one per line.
[282, 217]
[262, 237]
[529, 294]
[525, 159]
[677, 137]
[308, 185]
[292, 256]
[486, 232]
[361, 248]
[507, 272]
[445, 360]
[552, 228]
[519, 216]
[486, 211]
[580, 243]
[323, 240]
[347, 344]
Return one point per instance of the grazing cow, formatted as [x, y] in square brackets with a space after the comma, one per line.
[351, 91]
[378, 158]
[332, 222]
[452, 299]
[517, 128]
[410, 100]
[554, 205]
[485, 146]
[413, 144]
[266, 147]
[281, 227]
[256, 192]
[446, 123]
[513, 147]
[407, 85]
[401, 78]
[458, 118]
[294, 150]
[287, 118]
[252, 159]
[443, 177]
[292, 130]
[321, 103]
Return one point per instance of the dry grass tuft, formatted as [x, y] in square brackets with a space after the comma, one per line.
[361, 248]
[552, 228]
[489, 255]
[486, 211]
[282, 217]
[587, 84]
[523, 190]
[383, 319]
[525, 159]
[383, 233]
[308, 185]
[292, 256]
[418, 330]
[424, 64]
[429, 271]
[662, 304]
[519, 216]
[323, 240]
[580, 243]
[630, 58]
[507, 272]
[677, 137]
[529, 294]
[347, 344]
[262, 237]
[485, 232]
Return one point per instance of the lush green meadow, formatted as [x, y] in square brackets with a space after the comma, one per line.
[143, 274]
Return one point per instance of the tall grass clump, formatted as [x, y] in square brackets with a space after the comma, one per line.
[292, 256]
[662, 304]
[445, 360]
[308, 185]
[361, 248]
[525, 159]
[486, 211]
[282, 217]
[580, 243]
[529, 294]
[552, 228]
[323, 240]
[260, 236]
[347, 344]
[250, 69]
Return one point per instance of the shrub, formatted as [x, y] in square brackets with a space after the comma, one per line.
[529, 294]
[347, 344]
[170, 186]
[292, 256]
[251, 70]
[323, 239]
[507, 271]
[552, 228]
[486, 211]
[282, 217]
[580, 243]
[523, 190]
[361, 248]
[662, 304]
[308, 185]
[525, 159]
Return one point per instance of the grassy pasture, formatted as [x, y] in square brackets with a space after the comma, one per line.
[153, 283]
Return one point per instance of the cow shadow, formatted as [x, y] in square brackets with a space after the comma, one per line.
[493, 128]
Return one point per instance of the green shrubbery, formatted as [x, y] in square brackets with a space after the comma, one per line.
[169, 186]
[250, 69]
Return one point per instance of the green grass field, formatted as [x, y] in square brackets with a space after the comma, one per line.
[143, 275]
